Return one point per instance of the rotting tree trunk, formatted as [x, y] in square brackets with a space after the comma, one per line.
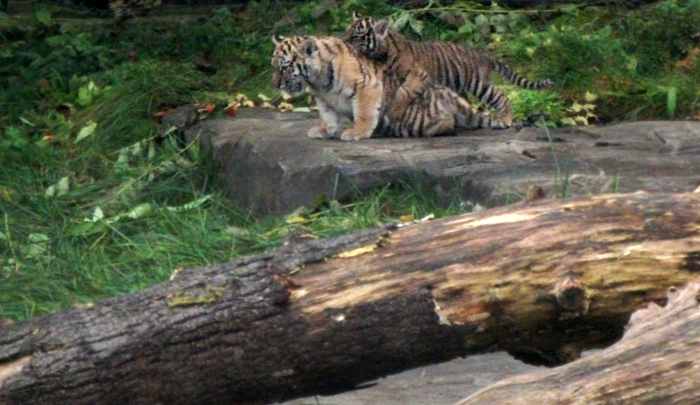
[543, 281]
[656, 362]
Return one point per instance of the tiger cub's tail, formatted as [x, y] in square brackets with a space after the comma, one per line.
[516, 79]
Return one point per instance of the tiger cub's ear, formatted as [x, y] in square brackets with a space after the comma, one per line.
[277, 39]
[309, 48]
[381, 28]
[356, 16]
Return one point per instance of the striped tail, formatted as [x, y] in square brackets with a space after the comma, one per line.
[510, 75]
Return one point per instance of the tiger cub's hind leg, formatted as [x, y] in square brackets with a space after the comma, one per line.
[490, 95]
[502, 121]
[469, 117]
[439, 111]
[413, 88]
[428, 114]
[442, 118]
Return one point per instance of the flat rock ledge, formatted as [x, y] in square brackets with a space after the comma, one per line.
[270, 166]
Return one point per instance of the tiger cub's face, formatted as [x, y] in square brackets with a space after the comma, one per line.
[288, 72]
[305, 66]
[368, 36]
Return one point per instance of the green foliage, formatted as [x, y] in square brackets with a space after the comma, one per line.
[626, 57]
[629, 58]
[43, 16]
[662, 32]
[545, 105]
[98, 200]
[324, 17]
[14, 138]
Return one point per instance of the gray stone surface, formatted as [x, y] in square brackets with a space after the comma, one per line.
[440, 384]
[270, 166]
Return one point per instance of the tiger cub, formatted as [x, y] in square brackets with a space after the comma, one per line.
[348, 86]
[458, 67]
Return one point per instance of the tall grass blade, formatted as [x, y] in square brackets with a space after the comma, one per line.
[671, 101]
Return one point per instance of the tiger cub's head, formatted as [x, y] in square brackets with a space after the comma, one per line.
[368, 36]
[308, 65]
[287, 65]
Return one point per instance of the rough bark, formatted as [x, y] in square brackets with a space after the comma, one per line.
[542, 280]
[656, 362]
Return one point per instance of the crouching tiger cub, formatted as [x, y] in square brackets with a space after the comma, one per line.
[458, 67]
[348, 86]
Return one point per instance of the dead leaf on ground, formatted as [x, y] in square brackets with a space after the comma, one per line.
[284, 106]
[688, 63]
[358, 251]
[44, 84]
[160, 113]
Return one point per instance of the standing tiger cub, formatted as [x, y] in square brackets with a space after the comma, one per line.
[463, 69]
[350, 87]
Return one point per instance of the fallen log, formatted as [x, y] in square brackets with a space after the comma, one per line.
[655, 362]
[542, 281]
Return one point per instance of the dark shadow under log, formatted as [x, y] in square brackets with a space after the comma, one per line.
[543, 281]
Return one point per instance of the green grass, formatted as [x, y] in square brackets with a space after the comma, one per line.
[125, 206]
[46, 266]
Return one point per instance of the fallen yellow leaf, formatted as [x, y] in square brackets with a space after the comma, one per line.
[6, 193]
[284, 106]
[358, 251]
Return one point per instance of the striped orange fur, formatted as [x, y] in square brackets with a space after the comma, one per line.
[349, 87]
[462, 69]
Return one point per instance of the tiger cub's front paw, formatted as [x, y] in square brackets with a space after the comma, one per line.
[351, 135]
[320, 132]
